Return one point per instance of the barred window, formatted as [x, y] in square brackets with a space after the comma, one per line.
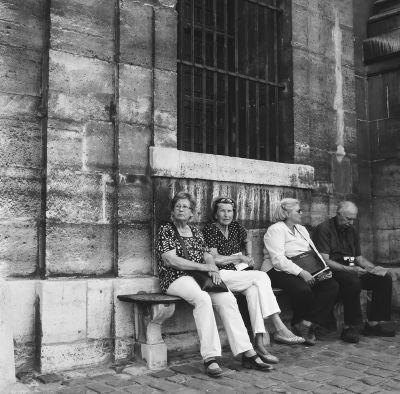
[228, 78]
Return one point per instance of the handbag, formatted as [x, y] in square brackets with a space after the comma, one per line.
[312, 262]
[201, 277]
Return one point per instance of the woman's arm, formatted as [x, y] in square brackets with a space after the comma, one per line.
[221, 260]
[171, 259]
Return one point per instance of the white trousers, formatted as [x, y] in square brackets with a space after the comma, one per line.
[256, 286]
[226, 306]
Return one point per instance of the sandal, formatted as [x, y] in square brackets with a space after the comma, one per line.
[213, 372]
[290, 340]
[251, 363]
[268, 358]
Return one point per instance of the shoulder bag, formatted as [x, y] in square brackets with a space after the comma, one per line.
[312, 262]
[201, 277]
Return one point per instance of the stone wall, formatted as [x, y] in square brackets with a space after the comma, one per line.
[324, 100]
[87, 88]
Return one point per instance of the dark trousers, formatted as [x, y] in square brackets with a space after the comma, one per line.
[349, 292]
[308, 303]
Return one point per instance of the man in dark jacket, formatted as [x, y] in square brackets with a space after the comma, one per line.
[339, 244]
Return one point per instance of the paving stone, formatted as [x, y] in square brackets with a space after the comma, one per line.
[379, 372]
[283, 377]
[341, 382]
[305, 386]
[186, 369]
[391, 385]
[159, 384]
[165, 373]
[138, 389]
[328, 390]
[73, 390]
[349, 373]
[119, 382]
[371, 380]
[100, 388]
[49, 378]
[362, 361]
[180, 379]
[361, 388]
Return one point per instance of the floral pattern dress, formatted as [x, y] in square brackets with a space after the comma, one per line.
[166, 241]
[235, 243]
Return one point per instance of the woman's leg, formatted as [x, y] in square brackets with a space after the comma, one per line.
[256, 286]
[226, 306]
[188, 289]
[300, 293]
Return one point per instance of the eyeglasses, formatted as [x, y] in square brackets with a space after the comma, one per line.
[183, 207]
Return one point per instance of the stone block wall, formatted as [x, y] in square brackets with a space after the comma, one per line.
[87, 88]
[324, 100]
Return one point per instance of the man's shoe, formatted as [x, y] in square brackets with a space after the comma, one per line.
[377, 331]
[349, 335]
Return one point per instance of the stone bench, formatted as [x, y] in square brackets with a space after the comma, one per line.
[150, 312]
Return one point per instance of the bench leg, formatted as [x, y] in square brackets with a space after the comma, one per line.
[153, 350]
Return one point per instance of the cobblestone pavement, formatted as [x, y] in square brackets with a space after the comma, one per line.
[372, 366]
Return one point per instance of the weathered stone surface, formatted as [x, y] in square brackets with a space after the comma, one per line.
[63, 309]
[134, 142]
[22, 306]
[19, 197]
[135, 94]
[99, 308]
[78, 197]
[65, 145]
[83, 27]
[18, 247]
[20, 70]
[98, 145]
[136, 33]
[7, 365]
[167, 162]
[20, 143]
[165, 38]
[165, 98]
[135, 201]
[59, 357]
[79, 249]
[18, 106]
[134, 250]
[386, 212]
[21, 26]
[386, 245]
[81, 88]
[386, 178]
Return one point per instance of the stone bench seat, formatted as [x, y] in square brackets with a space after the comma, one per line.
[150, 311]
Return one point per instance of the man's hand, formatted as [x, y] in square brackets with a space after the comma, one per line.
[307, 277]
[359, 270]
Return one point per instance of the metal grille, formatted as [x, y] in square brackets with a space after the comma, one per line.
[228, 85]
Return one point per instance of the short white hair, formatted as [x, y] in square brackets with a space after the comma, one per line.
[345, 206]
[282, 210]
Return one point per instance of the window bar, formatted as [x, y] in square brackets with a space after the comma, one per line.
[232, 74]
[215, 139]
[276, 90]
[257, 88]
[246, 41]
[226, 126]
[236, 82]
[192, 83]
[204, 79]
